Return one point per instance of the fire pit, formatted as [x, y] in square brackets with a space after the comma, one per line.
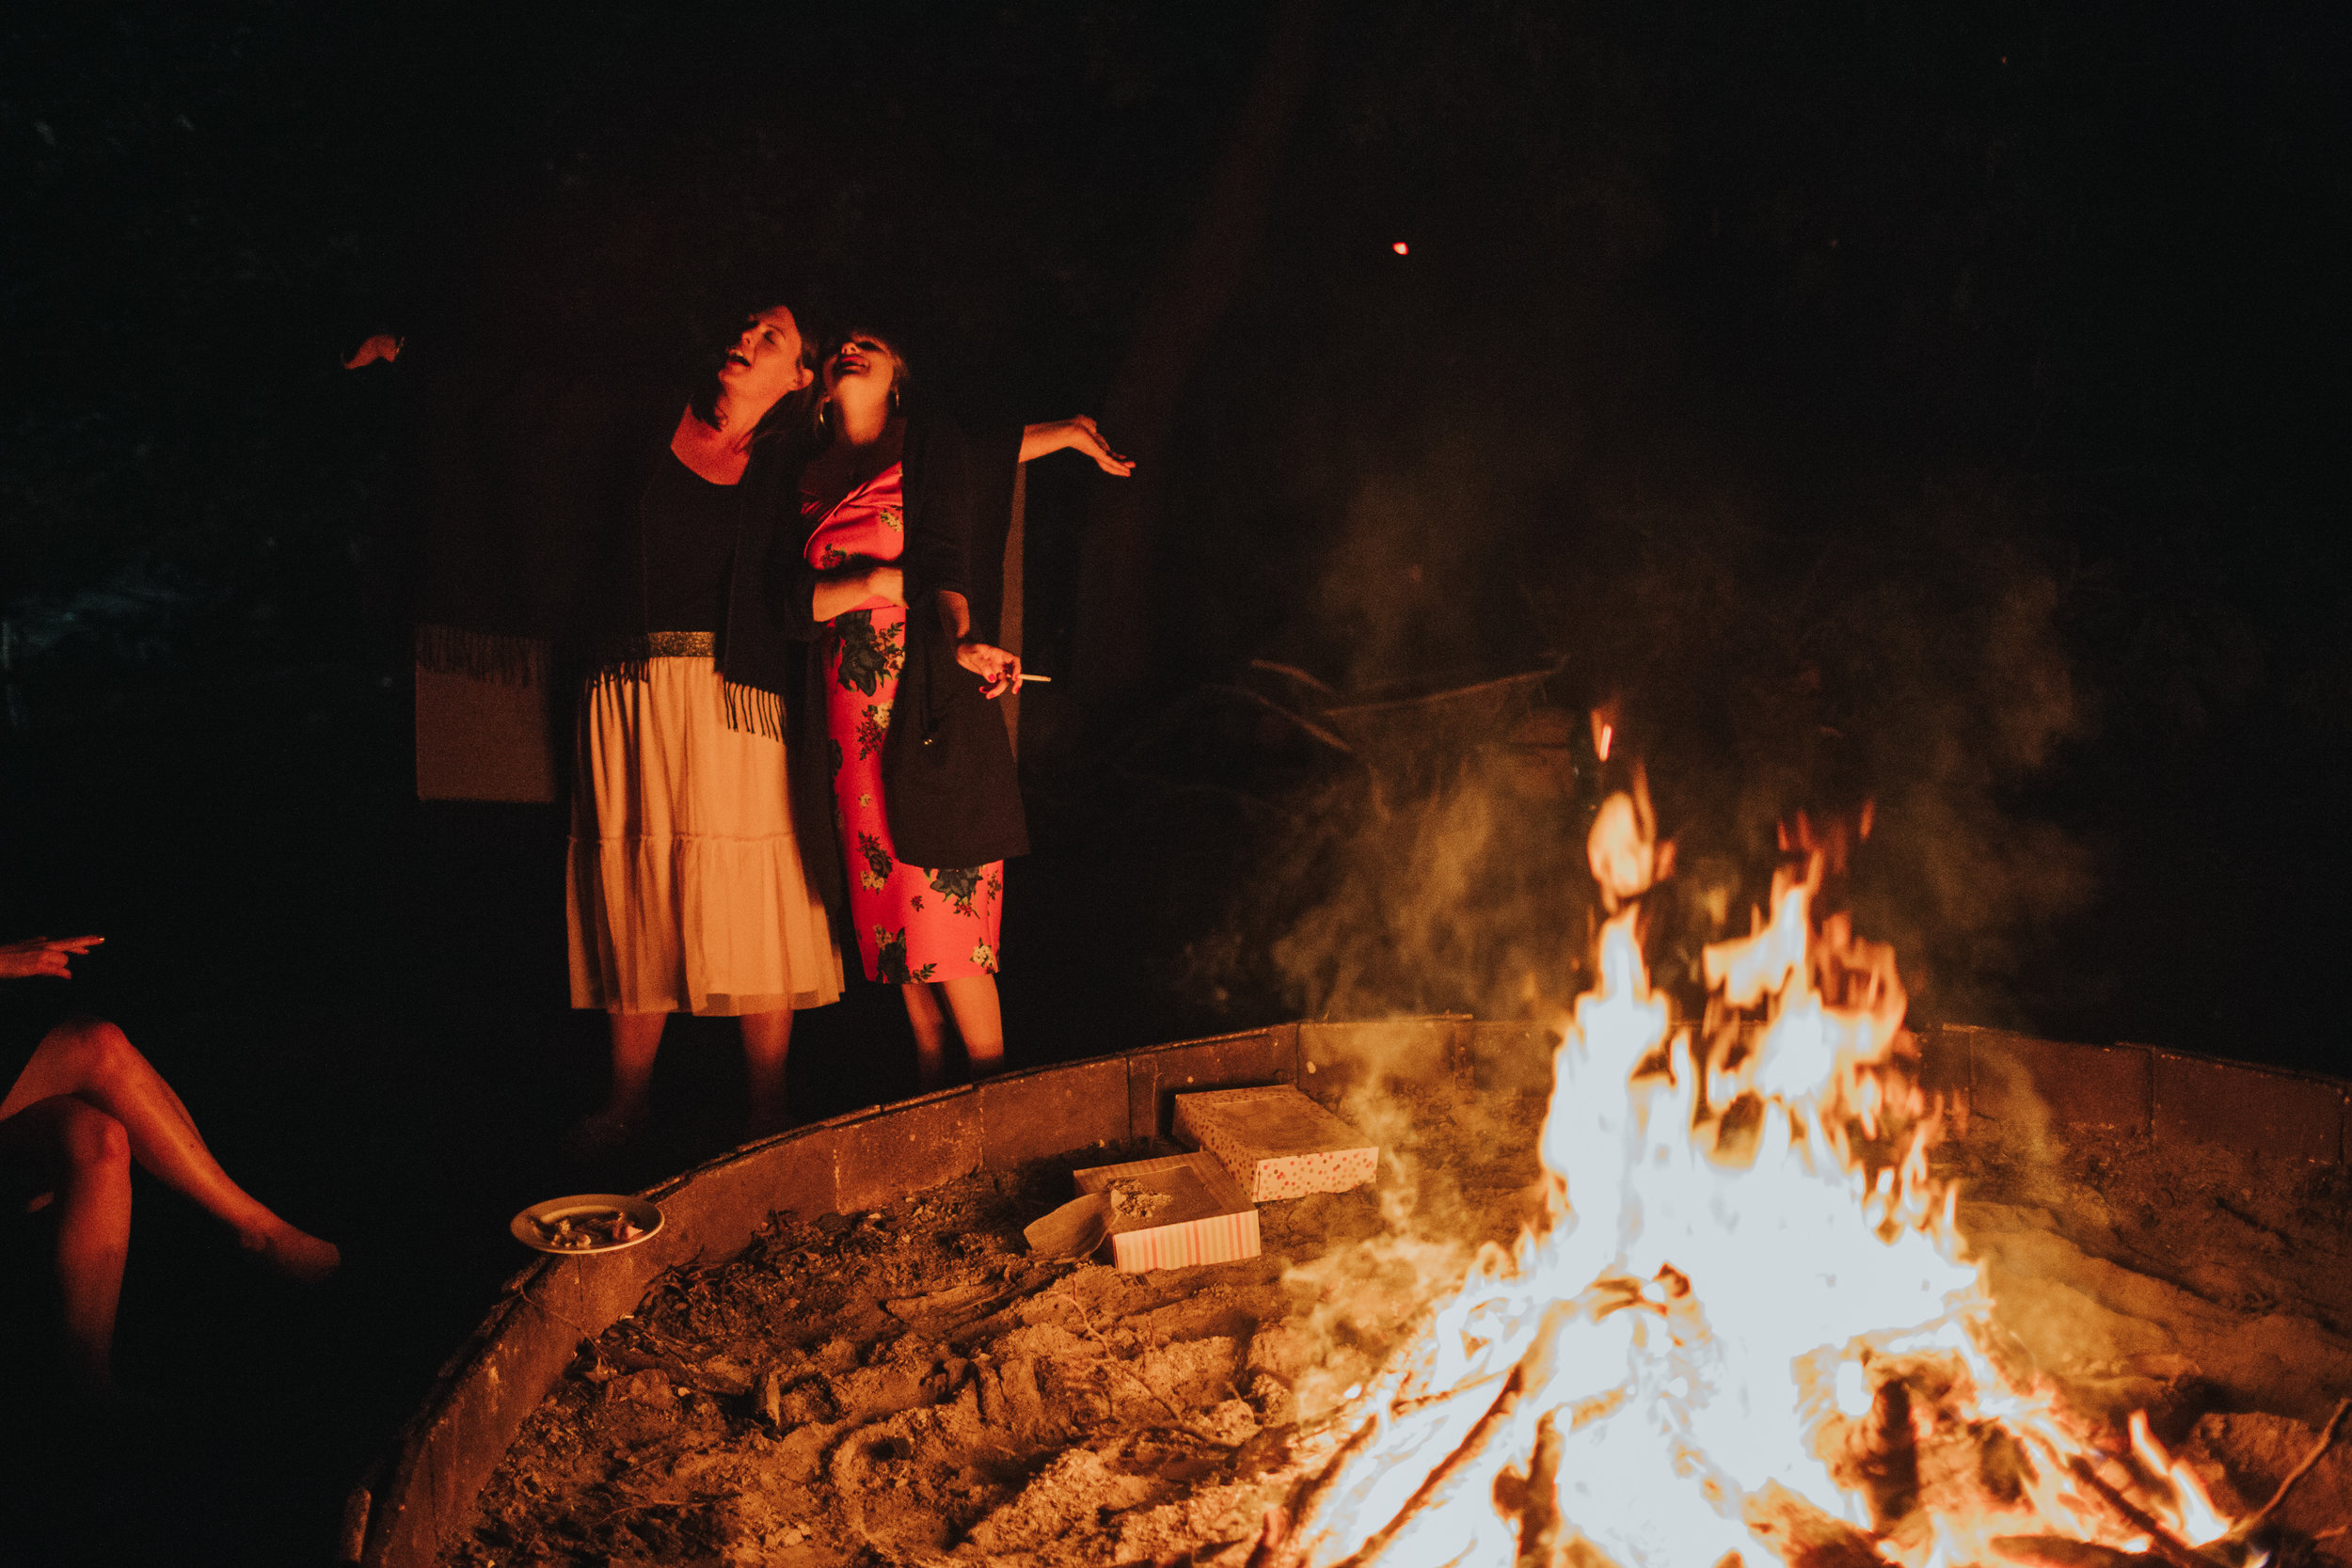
[906, 1383]
[910, 1387]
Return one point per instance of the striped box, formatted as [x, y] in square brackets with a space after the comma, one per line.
[1277, 1142]
[1172, 1213]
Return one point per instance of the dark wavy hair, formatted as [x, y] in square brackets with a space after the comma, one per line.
[793, 414]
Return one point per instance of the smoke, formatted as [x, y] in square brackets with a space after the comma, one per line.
[1467, 900]
[1421, 578]
[1915, 662]
[1435, 1217]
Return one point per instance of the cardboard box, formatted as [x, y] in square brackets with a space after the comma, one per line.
[1277, 1142]
[1172, 1213]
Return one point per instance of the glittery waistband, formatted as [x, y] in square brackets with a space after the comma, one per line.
[667, 644]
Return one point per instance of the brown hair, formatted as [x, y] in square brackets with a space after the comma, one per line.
[792, 413]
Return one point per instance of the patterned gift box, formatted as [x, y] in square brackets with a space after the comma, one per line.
[1277, 1142]
[1172, 1213]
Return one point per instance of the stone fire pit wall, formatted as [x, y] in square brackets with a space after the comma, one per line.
[1997, 1084]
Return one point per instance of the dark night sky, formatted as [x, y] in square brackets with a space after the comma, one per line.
[1925, 404]
[1939, 404]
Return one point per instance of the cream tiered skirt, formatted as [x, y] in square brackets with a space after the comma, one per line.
[685, 887]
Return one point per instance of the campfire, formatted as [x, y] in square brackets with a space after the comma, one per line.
[1715, 1308]
[1748, 1327]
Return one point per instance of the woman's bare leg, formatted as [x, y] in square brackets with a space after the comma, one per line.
[767, 1038]
[930, 1036]
[70, 1148]
[628, 1094]
[91, 1060]
[636, 1041]
[979, 1019]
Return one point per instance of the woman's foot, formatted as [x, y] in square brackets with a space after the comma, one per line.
[296, 1254]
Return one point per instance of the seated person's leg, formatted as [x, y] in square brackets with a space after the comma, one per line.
[91, 1060]
[59, 1148]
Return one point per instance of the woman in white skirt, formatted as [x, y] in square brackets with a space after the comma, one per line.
[686, 888]
[580, 518]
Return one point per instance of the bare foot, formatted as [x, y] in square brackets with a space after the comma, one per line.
[297, 1255]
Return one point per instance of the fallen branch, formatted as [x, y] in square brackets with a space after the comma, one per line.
[2319, 1452]
[1437, 1483]
[2062, 1551]
[1540, 1524]
[1112, 1358]
[1420, 1403]
[2163, 1542]
[1290, 1533]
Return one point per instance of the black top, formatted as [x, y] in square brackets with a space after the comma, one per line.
[537, 539]
[690, 527]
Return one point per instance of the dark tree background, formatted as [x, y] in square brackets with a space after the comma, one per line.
[1935, 404]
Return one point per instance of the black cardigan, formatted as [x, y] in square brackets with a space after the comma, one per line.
[533, 571]
[950, 788]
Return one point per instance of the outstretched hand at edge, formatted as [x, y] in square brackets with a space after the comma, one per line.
[49, 955]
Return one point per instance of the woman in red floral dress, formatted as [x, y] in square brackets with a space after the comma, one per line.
[917, 926]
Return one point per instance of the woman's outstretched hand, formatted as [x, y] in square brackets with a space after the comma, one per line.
[382, 346]
[1079, 433]
[43, 956]
[1001, 670]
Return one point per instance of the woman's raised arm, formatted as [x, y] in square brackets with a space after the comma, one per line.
[1079, 433]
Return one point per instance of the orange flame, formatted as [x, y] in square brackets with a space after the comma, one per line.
[1749, 1326]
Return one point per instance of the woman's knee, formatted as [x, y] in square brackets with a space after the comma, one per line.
[91, 1140]
[100, 1053]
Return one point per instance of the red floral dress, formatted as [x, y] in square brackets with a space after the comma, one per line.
[913, 923]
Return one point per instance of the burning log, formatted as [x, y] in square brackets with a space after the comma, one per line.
[2166, 1545]
[1536, 1499]
[1801, 1536]
[1294, 1531]
[2064, 1551]
[1449, 1477]
[1443, 1481]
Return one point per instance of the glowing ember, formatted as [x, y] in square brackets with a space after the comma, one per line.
[1748, 1330]
[1402, 249]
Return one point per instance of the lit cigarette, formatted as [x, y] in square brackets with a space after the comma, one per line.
[1027, 677]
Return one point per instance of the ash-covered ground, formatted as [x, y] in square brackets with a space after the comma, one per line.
[886, 1387]
[910, 1384]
